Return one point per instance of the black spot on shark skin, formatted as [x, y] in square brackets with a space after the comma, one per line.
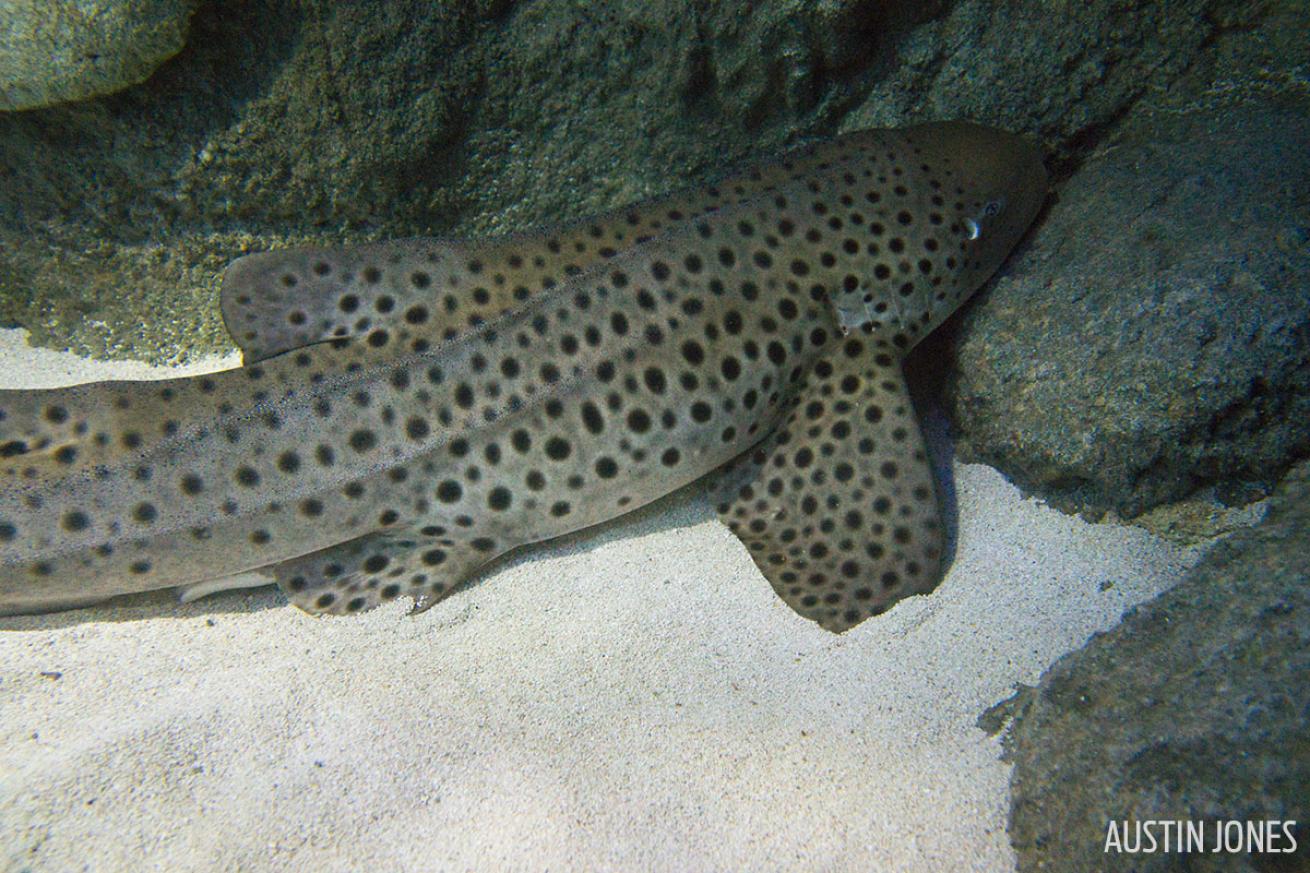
[410, 410]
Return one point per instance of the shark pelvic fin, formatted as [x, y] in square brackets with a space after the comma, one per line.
[363, 573]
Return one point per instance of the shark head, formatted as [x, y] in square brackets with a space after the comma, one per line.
[997, 189]
[964, 195]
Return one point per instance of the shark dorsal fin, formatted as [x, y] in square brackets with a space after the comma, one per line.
[274, 302]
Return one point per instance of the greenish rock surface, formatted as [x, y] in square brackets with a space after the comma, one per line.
[56, 51]
[1154, 338]
[287, 121]
[1197, 707]
[1064, 71]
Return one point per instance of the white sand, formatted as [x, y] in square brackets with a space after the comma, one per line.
[632, 699]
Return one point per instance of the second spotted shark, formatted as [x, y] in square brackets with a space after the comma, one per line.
[409, 411]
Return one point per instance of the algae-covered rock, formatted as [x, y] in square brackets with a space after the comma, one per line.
[307, 120]
[1196, 708]
[1155, 336]
[1061, 70]
[55, 51]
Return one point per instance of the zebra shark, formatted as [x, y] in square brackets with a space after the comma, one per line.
[408, 411]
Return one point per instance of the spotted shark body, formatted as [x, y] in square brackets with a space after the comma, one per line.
[409, 411]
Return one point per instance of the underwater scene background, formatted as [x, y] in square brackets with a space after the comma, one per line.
[1144, 357]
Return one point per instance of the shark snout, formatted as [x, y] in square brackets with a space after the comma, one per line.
[996, 176]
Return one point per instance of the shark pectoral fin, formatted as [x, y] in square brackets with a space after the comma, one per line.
[360, 574]
[274, 302]
[842, 514]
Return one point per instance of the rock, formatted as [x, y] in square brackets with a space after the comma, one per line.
[1062, 76]
[1154, 338]
[1197, 707]
[56, 51]
[1200, 519]
[302, 121]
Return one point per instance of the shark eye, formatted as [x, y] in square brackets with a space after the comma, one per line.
[990, 210]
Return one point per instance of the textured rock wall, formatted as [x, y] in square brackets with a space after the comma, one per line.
[56, 51]
[1155, 337]
[292, 119]
[1196, 708]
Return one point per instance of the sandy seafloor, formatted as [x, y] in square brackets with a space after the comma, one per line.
[633, 698]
